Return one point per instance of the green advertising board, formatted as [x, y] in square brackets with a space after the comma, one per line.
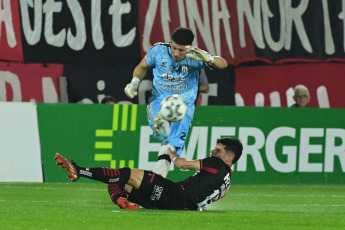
[281, 145]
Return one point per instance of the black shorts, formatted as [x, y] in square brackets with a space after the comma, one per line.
[157, 192]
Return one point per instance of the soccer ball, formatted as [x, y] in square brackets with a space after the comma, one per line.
[173, 108]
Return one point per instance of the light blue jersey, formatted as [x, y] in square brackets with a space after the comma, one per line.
[171, 77]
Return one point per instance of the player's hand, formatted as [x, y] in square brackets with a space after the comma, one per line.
[198, 54]
[131, 89]
[172, 153]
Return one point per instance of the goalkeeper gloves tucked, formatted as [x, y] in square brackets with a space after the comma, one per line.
[199, 54]
[131, 89]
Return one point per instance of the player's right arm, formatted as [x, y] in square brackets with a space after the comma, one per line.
[131, 89]
[141, 69]
[183, 163]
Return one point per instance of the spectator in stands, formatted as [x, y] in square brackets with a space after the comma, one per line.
[203, 86]
[301, 96]
[109, 100]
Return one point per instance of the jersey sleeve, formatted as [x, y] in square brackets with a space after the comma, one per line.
[211, 164]
[151, 55]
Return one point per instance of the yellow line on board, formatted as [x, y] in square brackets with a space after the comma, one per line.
[103, 145]
[104, 133]
[134, 117]
[116, 116]
[131, 164]
[124, 117]
[122, 163]
[103, 157]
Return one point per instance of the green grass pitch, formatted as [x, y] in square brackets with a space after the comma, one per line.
[88, 206]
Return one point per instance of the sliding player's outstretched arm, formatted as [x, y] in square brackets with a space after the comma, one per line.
[183, 163]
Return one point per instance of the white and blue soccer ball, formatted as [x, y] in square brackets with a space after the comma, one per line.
[173, 108]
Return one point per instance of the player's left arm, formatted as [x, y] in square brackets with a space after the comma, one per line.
[201, 55]
[183, 163]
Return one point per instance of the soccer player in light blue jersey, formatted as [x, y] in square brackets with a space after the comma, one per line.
[176, 68]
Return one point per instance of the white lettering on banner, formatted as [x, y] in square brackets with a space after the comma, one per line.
[254, 22]
[223, 15]
[341, 16]
[49, 8]
[145, 148]
[117, 10]
[32, 35]
[321, 92]
[199, 138]
[203, 23]
[78, 41]
[252, 150]
[196, 22]
[266, 15]
[295, 15]
[49, 91]
[289, 151]
[329, 42]
[332, 150]
[75, 42]
[13, 81]
[96, 26]
[306, 149]
[256, 13]
[255, 151]
[6, 17]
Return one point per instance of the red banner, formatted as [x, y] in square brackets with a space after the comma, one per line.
[10, 35]
[273, 85]
[31, 82]
[209, 20]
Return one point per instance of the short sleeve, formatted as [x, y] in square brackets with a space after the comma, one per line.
[151, 55]
[211, 163]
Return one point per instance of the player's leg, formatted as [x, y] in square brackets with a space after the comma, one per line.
[119, 197]
[159, 126]
[122, 176]
[156, 192]
[161, 130]
[103, 174]
[177, 139]
[115, 178]
[163, 163]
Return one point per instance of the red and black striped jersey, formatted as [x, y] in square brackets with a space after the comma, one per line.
[208, 185]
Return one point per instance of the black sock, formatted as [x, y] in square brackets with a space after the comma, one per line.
[106, 175]
[115, 191]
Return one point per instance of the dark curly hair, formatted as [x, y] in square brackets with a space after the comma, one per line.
[232, 144]
[183, 36]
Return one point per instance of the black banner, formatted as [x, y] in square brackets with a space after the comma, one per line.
[80, 31]
[91, 84]
[222, 87]
[303, 31]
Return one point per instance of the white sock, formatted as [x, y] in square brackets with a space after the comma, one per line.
[162, 167]
[163, 164]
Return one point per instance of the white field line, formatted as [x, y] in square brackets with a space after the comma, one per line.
[47, 188]
[290, 186]
[293, 205]
[288, 195]
[234, 205]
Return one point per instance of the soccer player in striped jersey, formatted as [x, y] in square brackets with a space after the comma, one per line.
[152, 191]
